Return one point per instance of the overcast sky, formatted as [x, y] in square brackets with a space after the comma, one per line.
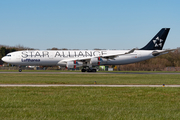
[88, 24]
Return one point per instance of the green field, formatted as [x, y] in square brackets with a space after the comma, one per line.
[87, 103]
[82, 103]
[125, 79]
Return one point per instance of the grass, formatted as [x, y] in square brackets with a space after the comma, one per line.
[77, 103]
[81, 103]
[125, 79]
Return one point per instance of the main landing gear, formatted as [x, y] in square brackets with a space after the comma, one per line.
[88, 70]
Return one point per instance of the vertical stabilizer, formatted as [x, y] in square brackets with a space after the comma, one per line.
[158, 40]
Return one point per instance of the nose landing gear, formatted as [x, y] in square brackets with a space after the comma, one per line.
[20, 70]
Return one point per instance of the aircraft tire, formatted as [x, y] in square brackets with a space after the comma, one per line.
[83, 70]
[89, 70]
[20, 70]
[93, 70]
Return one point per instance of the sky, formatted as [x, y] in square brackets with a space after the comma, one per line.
[88, 24]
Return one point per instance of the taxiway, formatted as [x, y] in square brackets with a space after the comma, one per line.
[67, 85]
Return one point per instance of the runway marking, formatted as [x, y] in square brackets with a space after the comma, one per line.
[62, 85]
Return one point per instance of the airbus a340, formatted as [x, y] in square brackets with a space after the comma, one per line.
[88, 59]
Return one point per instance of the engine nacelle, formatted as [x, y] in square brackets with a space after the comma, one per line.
[95, 61]
[73, 64]
[70, 64]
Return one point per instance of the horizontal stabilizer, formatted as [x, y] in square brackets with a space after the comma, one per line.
[156, 53]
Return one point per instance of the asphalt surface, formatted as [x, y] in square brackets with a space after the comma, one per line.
[88, 73]
[95, 85]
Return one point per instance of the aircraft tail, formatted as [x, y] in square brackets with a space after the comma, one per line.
[158, 40]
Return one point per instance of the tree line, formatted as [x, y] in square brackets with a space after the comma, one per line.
[172, 59]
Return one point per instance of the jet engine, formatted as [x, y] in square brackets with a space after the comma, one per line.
[95, 61]
[73, 64]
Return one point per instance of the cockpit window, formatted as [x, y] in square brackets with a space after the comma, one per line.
[8, 55]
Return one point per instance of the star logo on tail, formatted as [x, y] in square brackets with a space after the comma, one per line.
[158, 42]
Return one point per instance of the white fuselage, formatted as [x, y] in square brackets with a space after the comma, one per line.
[54, 57]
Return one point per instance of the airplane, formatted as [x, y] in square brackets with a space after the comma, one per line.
[89, 59]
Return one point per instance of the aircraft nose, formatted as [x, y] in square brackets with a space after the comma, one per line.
[4, 59]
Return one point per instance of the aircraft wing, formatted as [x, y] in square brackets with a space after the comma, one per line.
[76, 59]
[108, 56]
[115, 55]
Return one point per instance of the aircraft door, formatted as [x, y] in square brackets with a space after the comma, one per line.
[139, 54]
[18, 56]
[51, 55]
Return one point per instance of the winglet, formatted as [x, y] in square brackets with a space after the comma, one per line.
[131, 51]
